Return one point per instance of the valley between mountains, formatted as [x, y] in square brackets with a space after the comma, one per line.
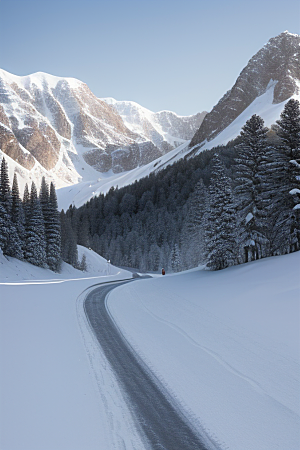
[149, 265]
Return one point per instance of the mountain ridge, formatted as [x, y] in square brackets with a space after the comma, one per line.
[277, 60]
[56, 127]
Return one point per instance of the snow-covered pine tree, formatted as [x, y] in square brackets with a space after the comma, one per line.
[35, 249]
[83, 265]
[51, 218]
[17, 212]
[53, 233]
[10, 240]
[44, 201]
[251, 189]
[69, 250]
[175, 258]
[193, 239]
[220, 235]
[14, 245]
[288, 224]
[26, 204]
[16, 239]
[5, 225]
[5, 191]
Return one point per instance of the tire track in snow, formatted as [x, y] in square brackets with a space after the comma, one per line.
[157, 418]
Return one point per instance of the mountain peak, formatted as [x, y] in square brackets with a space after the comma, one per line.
[39, 79]
[278, 60]
[287, 32]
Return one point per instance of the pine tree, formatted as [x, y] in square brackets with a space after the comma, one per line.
[83, 265]
[193, 239]
[5, 191]
[221, 244]
[69, 249]
[35, 249]
[52, 225]
[53, 233]
[17, 212]
[26, 204]
[14, 245]
[252, 190]
[175, 258]
[5, 225]
[288, 224]
[10, 241]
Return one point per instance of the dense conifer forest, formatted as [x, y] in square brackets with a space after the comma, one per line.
[29, 229]
[229, 205]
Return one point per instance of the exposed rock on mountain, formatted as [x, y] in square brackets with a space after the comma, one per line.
[57, 125]
[165, 129]
[48, 117]
[278, 62]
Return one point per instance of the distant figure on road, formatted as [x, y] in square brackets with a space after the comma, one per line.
[163, 272]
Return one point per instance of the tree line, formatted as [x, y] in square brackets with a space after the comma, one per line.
[229, 205]
[232, 204]
[29, 228]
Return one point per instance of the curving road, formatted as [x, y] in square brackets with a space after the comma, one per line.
[161, 424]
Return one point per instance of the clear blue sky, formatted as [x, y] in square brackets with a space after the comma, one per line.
[164, 54]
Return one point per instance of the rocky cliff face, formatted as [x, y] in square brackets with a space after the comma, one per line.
[57, 124]
[278, 61]
[44, 118]
[165, 129]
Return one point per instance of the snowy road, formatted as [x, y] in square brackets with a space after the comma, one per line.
[160, 423]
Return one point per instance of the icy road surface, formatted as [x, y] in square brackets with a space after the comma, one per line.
[155, 414]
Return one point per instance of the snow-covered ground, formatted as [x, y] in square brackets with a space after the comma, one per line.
[263, 106]
[56, 391]
[226, 345]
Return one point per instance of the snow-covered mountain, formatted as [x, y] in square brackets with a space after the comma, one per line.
[263, 87]
[165, 129]
[56, 123]
[57, 127]
[276, 66]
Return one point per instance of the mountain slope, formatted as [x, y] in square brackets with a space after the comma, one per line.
[278, 61]
[58, 128]
[57, 123]
[165, 129]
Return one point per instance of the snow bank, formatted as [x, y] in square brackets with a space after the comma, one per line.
[226, 345]
[13, 270]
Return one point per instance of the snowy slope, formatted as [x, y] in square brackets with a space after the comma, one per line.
[278, 60]
[263, 106]
[80, 193]
[14, 270]
[165, 129]
[226, 345]
[55, 127]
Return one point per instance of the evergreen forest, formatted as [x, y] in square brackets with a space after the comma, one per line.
[229, 205]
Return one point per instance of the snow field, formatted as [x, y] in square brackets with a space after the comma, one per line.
[56, 389]
[226, 346]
